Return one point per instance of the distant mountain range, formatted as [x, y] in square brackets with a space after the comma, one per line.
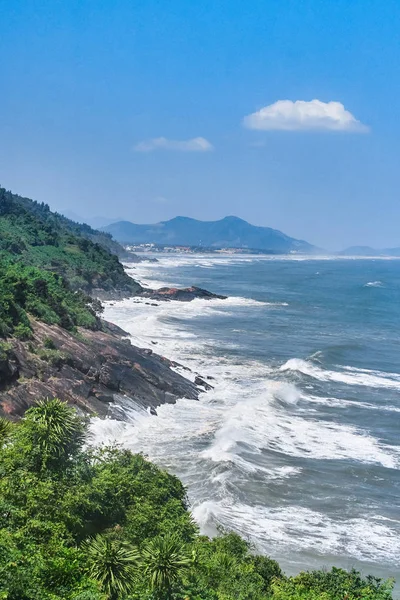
[230, 232]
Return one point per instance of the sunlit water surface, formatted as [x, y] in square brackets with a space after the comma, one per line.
[297, 447]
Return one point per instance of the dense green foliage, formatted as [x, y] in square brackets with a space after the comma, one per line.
[28, 290]
[97, 524]
[32, 233]
[41, 211]
[49, 265]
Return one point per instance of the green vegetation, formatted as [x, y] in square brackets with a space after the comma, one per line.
[28, 290]
[5, 350]
[32, 234]
[111, 563]
[49, 265]
[79, 523]
[55, 358]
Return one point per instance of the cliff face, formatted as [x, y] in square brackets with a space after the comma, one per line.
[87, 370]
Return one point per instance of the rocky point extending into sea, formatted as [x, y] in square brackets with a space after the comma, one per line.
[90, 368]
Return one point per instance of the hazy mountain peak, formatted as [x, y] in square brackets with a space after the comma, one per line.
[229, 232]
[233, 219]
[179, 219]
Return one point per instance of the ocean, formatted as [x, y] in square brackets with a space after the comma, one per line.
[297, 447]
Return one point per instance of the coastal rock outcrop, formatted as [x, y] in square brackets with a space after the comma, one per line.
[89, 369]
[199, 381]
[181, 294]
[162, 294]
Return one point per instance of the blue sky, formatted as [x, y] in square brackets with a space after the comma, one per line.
[137, 109]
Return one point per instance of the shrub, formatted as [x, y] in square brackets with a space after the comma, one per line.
[267, 568]
[23, 332]
[44, 295]
[5, 350]
[55, 358]
[49, 344]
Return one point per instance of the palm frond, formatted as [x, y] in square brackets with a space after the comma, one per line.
[5, 430]
[164, 560]
[112, 563]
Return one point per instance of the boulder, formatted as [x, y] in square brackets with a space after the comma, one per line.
[8, 370]
[199, 381]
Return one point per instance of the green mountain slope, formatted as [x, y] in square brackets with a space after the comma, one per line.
[31, 233]
[49, 265]
[230, 232]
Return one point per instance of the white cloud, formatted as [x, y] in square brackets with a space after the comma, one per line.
[302, 116]
[198, 144]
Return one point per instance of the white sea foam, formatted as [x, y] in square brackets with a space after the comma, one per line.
[341, 402]
[247, 410]
[148, 321]
[147, 272]
[298, 529]
[259, 422]
[374, 284]
[248, 426]
[169, 439]
[348, 375]
[242, 418]
[147, 275]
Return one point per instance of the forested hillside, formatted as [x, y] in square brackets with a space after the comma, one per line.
[51, 275]
[32, 233]
[49, 265]
[42, 212]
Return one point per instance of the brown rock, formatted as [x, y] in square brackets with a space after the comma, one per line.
[100, 365]
[181, 294]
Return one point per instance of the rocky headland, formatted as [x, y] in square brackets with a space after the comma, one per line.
[90, 369]
[53, 275]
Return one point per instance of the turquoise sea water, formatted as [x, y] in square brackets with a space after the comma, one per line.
[298, 445]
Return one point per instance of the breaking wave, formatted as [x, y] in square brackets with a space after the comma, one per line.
[374, 284]
[251, 449]
[349, 375]
[298, 529]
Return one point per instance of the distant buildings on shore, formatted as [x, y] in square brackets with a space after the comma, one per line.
[184, 249]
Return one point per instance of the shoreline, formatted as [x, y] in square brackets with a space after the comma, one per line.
[184, 420]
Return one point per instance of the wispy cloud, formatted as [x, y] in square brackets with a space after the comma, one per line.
[304, 116]
[198, 144]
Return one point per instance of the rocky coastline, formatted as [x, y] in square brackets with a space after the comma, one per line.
[162, 294]
[94, 369]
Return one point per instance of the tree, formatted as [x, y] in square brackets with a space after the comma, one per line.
[112, 564]
[164, 560]
[267, 568]
[50, 434]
